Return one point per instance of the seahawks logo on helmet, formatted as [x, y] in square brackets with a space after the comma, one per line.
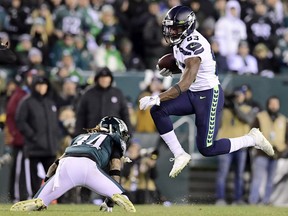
[178, 23]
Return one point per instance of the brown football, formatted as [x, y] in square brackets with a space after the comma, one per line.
[169, 62]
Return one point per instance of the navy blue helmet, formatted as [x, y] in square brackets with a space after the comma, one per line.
[178, 23]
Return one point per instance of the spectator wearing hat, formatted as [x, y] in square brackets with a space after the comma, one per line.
[40, 38]
[22, 49]
[243, 63]
[66, 70]
[65, 44]
[37, 121]
[111, 25]
[98, 100]
[35, 60]
[68, 95]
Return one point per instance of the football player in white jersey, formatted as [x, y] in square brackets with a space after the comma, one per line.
[198, 92]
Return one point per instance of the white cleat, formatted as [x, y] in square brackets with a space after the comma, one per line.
[179, 163]
[124, 202]
[29, 205]
[261, 142]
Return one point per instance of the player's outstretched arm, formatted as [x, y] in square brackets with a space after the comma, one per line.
[187, 78]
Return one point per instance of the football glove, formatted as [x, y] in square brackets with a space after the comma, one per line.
[164, 72]
[147, 101]
[107, 205]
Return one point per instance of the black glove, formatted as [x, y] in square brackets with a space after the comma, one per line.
[107, 205]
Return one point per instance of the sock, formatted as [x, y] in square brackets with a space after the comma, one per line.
[241, 142]
[173, 143]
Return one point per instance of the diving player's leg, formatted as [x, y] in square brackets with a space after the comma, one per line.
[55, 187]
[38, 202]
[103, 184]
[179, 106]
[61, 182]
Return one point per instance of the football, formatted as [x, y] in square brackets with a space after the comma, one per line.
[169, 62]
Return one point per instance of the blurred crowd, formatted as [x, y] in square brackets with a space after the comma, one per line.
[57, 41]
[248, 37]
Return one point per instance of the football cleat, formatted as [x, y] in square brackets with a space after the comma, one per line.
[261, 142]
[179, 163]
[29, 205]
[124, 202]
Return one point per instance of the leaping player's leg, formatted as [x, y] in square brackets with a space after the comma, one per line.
[179, 106]
[208, 115]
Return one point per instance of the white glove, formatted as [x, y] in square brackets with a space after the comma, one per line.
[104, 207]
[164, 72]
[147, 101]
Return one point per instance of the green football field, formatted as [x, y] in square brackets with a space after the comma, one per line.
[151, 210]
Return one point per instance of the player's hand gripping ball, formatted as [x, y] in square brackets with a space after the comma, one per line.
[167, 65]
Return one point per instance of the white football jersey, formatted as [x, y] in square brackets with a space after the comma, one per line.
[196, 45]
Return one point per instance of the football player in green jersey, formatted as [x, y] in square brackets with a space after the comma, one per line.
[82, 164]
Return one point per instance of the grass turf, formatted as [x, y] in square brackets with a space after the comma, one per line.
[151, 210]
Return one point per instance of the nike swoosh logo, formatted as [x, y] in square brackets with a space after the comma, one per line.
[202, 97]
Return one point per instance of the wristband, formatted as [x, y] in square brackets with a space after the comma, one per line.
[177, 87]
[114, 172]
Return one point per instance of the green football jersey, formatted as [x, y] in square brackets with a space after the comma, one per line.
[99, 147]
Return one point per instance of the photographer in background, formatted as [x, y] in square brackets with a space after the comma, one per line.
[236, 120]
[274, 127]
[138, 177]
